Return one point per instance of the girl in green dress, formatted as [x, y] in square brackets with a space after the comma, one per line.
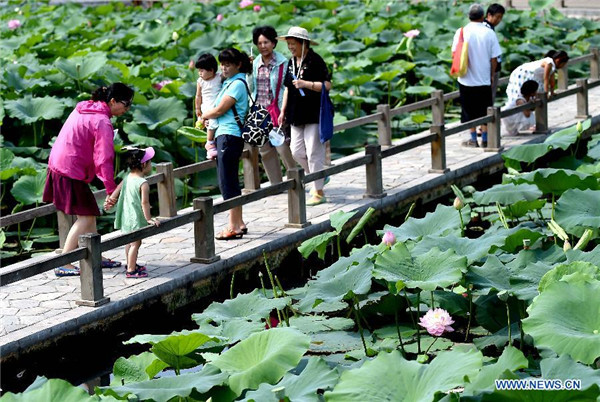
[133, 207]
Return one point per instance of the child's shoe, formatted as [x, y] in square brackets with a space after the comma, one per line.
[137, 273]
[211, 150]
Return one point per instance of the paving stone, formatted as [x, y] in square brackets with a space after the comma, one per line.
[47, 296]
[26, 303]
[21, 295]
[55, 304]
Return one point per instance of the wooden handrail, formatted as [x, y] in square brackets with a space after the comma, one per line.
[466, 125]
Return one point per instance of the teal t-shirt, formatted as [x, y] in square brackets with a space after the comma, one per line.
[129, 215]
[236, 89]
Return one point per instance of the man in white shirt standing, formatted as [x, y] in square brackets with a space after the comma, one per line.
[476, 85]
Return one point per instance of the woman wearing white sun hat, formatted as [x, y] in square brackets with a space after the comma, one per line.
[306, 74]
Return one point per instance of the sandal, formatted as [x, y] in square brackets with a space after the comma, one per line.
[244, 230]
[137, 273]
[229, 234]
[65, 271]
[108, 263]
[139, 267]
[316, 199]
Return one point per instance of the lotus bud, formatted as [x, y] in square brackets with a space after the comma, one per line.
[175, 36]
[579, 127]
[389, 239]
[458, 204]
[219, 17]
[14, 24]
[256, 8]
[260, 274]
[595, 332]
[566, 245]
[191, 65]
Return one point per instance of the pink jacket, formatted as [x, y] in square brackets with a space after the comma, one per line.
[84, 147]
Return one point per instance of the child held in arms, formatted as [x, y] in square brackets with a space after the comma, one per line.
[133, 207]
[207, 87]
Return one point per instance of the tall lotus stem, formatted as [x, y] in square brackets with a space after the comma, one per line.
[509, 331]
[432, 302]
[470, 314]
[398, 330]
[459, 205]
[360, 328]
[418, 314]
[339, 247]
[262, 284]
[409, 309]
[272, 282]
[434, 339]
[231, 285]
[410, 211]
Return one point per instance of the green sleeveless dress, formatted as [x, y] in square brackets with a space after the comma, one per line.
[129, 215]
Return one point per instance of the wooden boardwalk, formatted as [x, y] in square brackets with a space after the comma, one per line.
[43, 307]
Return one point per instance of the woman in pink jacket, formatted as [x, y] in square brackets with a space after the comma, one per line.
[84, 149]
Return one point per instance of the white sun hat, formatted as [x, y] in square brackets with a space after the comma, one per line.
[298, 33]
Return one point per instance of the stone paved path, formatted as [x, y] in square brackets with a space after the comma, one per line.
[40, 305]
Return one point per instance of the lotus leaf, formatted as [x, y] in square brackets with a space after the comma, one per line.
[473, 249]
[136, 368]
[361, 224]
[594, 147]
[336, 342]
[251, 306]
[521, 208]
[164, 388]
[565, 368]
[81, 67]
[160, 112]
[232, 331]
[514, 240]
[566, 318]
[578, 255]
[174, 349]
[29, 189]
[442, 221]
[527, 153]
[564, 138]
[425, 271]
[574, 271]
[499, 338]
[29, 110]
[152, 38]
[390, 377]
[318, 243]
[511, 359]
[319, 323]
[51, 390]
[145, 141]
[493, 275]
[578, 209]
[262, 357]
[507, 194]
[524, 283]
[193, 134]
[429, 343]
[557, 181]
[299, 388]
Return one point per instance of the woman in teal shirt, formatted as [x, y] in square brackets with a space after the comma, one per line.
[233, 96]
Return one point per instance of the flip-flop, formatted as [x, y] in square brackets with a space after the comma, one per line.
[108, 263]
[228, 234]
[244, 230]
[64, 271]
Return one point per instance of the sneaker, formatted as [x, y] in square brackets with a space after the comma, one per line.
[316, 199]
[64, 271]
[484, 144]
[136, 274]
[470, 144]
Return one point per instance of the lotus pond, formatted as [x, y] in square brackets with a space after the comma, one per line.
[429, 314]
[54, 55]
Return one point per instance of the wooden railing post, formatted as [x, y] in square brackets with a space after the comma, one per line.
[563, 78]
[541, 114]
[582, 99]
[374, 172]
[438, 108]
[296, 200]
[92, 289]
[595, 64]
[438, 150]
[251, 173]
[204, 232]
[494, 130]
[508, 4]
[64, 225]
[384, 126]
[167, 204]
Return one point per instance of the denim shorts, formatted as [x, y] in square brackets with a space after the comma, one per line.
[229, 152]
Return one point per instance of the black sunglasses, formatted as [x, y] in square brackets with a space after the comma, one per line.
[125, 103]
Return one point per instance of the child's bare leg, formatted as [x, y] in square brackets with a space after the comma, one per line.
[126, 253]
[132, 255]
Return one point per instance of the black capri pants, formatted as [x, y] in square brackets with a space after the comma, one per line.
[229, 152]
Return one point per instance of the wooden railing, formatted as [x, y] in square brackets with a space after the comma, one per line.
[91, 247]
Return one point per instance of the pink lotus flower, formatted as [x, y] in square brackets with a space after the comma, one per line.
[412, 33]
[161, 84]
[437, 321]
[220, 17]
[256, 8]
[246, 3]
[389, 239]
[351, 92]
[192, 64]
[14, 24]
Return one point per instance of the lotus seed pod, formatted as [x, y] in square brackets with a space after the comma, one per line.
[458, 204]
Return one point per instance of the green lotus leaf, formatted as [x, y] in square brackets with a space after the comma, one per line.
[473, 249]
[232, 331]
[348, 46]
[318, 243]
[152, 39]
[492, 275]
[377, 54]
[81, 67]
[389, 377]
[251, 306]
[361, 224]
[527, 153]
[214, 39]
[319, 323]
[2, 238]
[443, 221]
[29, 110]
[175, 348]
[521, 208]
[557, 181]
[317, 375]
[425, 271]
[572, 272]
[355, 279]
[524, 283]
[594, 147]
[507, 194]
[565, 368]
[144, 141]
[557, 320]
[262, 357]
[136, 368]
[436, 73]
[428, 342]
[165, 388]
[193, 134]
[160, 112]
[578, 209]
[578, 255]
[340, 218]
[538, 5]
[29, 189]
[512, 359]
[514, 240]
[6, 158]
[420, 89]
[51, 390]
[1, 111]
